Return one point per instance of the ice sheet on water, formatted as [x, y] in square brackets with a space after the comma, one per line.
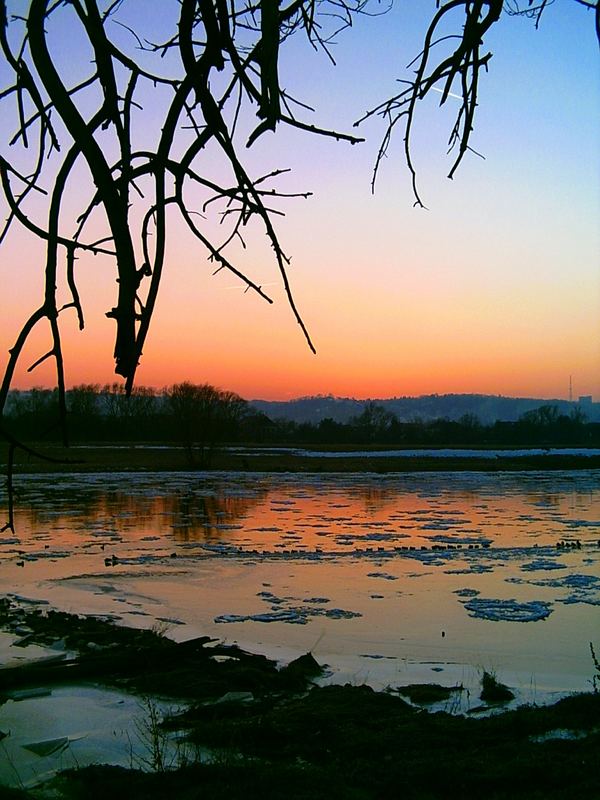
[290, 609]
[426, 453]
[296, 616]
[539, 564]
[34, 555]
[507, 610]
[385, 575]
[581, 523]
[466, 592]
[582, 588]
[579, 597]
[473, 569]
[377, 656]
[268, 616]
[438, 525]
[19, 598]
[265, 529]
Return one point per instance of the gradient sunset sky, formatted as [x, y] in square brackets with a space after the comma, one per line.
[494, 289]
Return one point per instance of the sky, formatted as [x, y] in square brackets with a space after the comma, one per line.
[495, 288]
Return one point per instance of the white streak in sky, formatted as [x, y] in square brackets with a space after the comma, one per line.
[450, 94]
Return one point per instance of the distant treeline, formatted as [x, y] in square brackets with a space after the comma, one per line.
[196, 416]
[488, 408]
[201, 416]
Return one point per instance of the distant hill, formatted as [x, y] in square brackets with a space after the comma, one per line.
[488, 408]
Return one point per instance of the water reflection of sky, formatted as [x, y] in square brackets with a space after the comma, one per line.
[368, 569]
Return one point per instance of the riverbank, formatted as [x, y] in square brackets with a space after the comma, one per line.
[252, 729]
[165, 457]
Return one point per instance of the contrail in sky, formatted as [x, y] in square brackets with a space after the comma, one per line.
[450, 94]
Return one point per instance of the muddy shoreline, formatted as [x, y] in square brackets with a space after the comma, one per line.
[96, 458]
[274, 732]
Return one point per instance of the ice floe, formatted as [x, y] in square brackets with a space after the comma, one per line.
[313, 535]
[508, 610]
[297, 616]
[540, 564]
[473, 569]
[582, 588]
[385, 575]
[438, 452]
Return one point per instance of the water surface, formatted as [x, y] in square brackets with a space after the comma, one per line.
[388, 579]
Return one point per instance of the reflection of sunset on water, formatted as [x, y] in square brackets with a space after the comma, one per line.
[369, 569]
[329, 515]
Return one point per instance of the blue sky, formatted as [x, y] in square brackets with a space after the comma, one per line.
[495, 288]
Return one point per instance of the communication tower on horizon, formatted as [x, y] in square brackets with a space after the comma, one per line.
[570, 388]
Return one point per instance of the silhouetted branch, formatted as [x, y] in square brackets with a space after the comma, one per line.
[214, 84]
[463, 66]
[534, 10]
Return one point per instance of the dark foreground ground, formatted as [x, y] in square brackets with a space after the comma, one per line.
[112, 458]
[282, 736]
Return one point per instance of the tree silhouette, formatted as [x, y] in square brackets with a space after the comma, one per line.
[217, 66]
[202, 415]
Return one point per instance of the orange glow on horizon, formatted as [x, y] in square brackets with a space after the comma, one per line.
[493, 290]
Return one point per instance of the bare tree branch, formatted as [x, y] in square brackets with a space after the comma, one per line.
[216, 84]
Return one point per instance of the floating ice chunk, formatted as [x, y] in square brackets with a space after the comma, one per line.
[19, 598]
[584, 588]
[581, 523]
[576, 581]
[376, 656]
[298, 616]
[541, 564]
[482, 541]
[33, 556]
[340, 613]
[48, 747]
[28, 694]
[272, 529]
[507, 610]
[474, 569]
[269, 616]
[564, 734]
[270, 597]
[385, 575]
[466, 592]
[234, 697]
[579, 597]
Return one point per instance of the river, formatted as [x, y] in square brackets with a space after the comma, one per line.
[388, 579]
